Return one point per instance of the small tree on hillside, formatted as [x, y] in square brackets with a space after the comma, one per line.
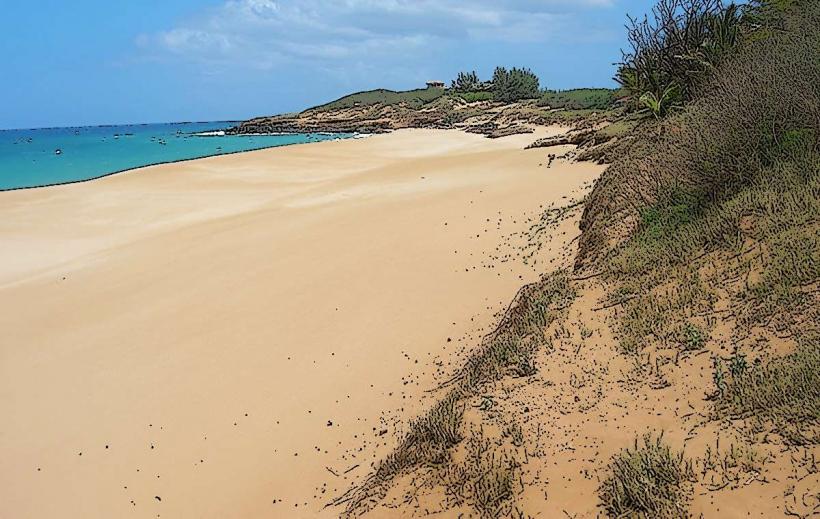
[514, 85]
[466, 82]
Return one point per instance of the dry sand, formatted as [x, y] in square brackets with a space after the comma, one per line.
[218, 338]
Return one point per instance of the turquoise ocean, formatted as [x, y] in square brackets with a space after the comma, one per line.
[42, 157]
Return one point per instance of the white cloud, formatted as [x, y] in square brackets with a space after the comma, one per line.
[348, 33]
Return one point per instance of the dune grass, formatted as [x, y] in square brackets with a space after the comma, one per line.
[507, 351]
[720, 200]
[647, 481]
[770, 227]
[495, 476]
[488, 478]
[781, 396]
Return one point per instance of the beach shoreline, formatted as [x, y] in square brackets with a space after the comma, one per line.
[224, 333]
[40, 158]
[178, 161]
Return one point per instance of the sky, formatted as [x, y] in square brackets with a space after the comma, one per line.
[91, 62]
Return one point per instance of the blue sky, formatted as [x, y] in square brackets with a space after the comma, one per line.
[86, 62]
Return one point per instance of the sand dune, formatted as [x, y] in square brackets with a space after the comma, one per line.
[218, 338]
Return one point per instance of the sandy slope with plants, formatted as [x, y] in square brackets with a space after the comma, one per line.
[674, 369]
[219, 338]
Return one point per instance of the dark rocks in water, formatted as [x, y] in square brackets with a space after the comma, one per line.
[305, 125]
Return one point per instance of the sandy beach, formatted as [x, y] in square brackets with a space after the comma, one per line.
[239, 336]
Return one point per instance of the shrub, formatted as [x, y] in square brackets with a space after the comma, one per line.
[514, 85]
[647, 481]
[691, 337]
[466, 82]
[759, 112]
[675, 50]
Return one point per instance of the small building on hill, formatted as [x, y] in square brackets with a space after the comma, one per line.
[435, 84]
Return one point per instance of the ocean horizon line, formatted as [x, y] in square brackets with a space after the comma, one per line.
[115, 125]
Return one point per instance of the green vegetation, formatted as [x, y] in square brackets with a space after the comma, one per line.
[739, 177]
[782, 395]
[647, 481]
[469, 87]
[473, 97]
[514, 84]
[732, 466]
[466, 82]
[691, 337]
[506, 351]
[709, 213]
[579, 99]
[493, 477]
[488, 477]
[411, 98]
[675, 50]
[720, 201]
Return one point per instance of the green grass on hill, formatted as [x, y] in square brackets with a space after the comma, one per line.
[782, 396]
[411, 98]
[713, 217]
[475, 96]
[579, 99]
